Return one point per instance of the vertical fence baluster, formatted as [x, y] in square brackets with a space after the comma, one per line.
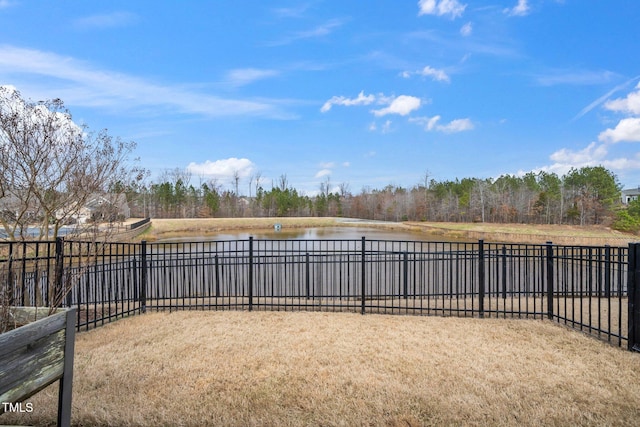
[550, 283]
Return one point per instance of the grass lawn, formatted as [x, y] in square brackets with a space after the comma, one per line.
[332, 369]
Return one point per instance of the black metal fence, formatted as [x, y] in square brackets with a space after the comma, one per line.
[592, 289]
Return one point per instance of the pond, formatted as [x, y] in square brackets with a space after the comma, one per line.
[319, 233]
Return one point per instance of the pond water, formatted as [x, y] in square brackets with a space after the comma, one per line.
[320, 233]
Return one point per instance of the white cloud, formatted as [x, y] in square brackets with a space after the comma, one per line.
[438, 75]
[626, 130]
[327, 165]
[466, 29]
[441, 8]
[38, 115]
[223, 169]
[245, 76]
[454, 126]
[604, 97]
[592, 155]
[79, 83]
[402, 105]
[362, 99]
[323, 172]
[428, 71]
[629, 105]
[521, 9]
[386, 127]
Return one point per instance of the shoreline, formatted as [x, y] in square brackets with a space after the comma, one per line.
[496, 233]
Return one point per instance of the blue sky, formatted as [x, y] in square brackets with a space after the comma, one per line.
[364, 93]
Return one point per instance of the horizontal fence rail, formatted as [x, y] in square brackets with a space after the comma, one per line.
[591, 289]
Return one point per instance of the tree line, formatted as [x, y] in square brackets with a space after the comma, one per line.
[584, 196]
[51, 169]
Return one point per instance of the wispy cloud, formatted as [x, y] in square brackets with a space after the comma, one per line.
[626, 130]
[108, 20]
[428, 71]
[79, 83]
[521, 9]
[468, 45]
[575, 77]
[466, 29]
[316, 32]
[441, 8]
[361, 99]
[433, 124]
[245, 76]
[322, 172]
[604, 98]
[292, 12]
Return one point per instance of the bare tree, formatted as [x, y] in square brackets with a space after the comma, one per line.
[283, 182]
[50, 167]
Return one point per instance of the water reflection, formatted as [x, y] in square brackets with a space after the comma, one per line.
[323, 233]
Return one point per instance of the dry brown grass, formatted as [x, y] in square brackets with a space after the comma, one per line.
[275, 368]
[181, 227]
[596, 235]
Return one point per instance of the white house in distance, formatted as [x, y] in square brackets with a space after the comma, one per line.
[629, 195]
[103, 207]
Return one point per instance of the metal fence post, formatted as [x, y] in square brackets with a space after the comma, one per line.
[59, 270]
[250, 273]
[362, 273]
[550, 282]
[144, 279]
[481, 283]
[633, 279]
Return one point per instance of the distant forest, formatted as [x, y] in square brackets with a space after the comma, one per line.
[584, 196]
